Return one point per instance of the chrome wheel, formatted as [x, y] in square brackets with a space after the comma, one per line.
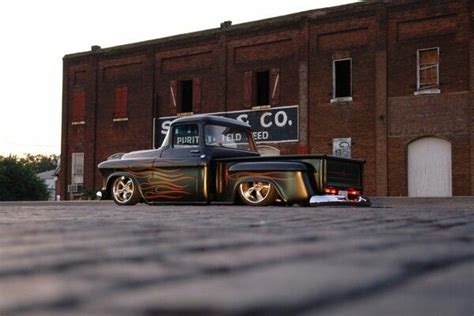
[124, 191]
[257, 193]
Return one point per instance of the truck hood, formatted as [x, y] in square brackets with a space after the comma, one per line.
[151, 153]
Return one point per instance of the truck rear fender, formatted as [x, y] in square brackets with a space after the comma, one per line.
[277, 173]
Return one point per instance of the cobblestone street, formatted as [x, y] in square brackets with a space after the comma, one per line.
[400, 257]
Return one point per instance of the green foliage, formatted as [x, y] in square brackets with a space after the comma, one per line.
[18, 181]
[89, 194]
[40, 163]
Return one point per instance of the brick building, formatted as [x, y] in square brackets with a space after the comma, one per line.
[390, 82]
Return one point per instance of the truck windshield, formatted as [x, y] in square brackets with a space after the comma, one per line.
[230, 137]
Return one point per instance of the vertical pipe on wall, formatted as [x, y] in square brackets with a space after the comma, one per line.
[63, 172]
[381, 119]
[303, 145]
[471, 91]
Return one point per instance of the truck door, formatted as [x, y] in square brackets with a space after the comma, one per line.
[179, 173]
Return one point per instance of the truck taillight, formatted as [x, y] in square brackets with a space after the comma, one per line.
[353, 192]
[350, 193]
[331, 191]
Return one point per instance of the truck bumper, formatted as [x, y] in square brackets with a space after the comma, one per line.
[320, 200]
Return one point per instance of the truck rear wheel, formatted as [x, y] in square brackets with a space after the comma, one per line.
[257, 193]
[125, 191]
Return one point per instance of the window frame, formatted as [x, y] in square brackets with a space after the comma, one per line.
[173, 134]
[430, 90]
[121, 102]
[345, 98]
[79, 99]
[75, 158]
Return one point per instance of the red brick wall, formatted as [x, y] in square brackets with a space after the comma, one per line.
[445, 115]
[335, 40]
[382, 119]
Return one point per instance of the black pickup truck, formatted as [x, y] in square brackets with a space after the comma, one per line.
[210, 159]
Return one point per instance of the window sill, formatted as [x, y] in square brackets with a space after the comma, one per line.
[181, 114]
[123, 119]
[341, 100]
[79, 123]
[427, 91]
[261, 107]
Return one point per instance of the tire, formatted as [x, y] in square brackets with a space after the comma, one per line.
[125, 191]
[257, 193]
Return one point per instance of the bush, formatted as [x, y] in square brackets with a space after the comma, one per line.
[18, 182]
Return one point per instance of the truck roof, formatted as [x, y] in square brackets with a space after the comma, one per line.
[210, 119]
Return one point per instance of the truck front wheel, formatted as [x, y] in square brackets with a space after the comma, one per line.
[257, 193]
[125, 191]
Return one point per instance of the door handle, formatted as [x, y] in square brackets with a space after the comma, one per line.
[194, 151]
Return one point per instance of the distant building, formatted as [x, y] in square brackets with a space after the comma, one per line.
[49, 178]
[390, 82]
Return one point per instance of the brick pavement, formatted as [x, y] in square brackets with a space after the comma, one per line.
[400, 257]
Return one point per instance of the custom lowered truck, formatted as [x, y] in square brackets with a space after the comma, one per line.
[211, 159]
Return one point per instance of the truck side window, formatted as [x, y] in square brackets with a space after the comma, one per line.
[224, 136]
[185, 136]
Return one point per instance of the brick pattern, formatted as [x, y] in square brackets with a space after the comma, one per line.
[381, 37]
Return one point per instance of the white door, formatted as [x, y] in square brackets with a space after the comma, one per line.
[429, 167]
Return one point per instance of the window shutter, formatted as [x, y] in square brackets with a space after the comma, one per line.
[196, 95]
[248, 89]
[275, 86]
[79, 105]
[174, 96]
[121, 102]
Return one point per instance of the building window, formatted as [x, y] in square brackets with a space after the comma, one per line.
[342, 80]
[428, 71]
[121, 103]
[185, 96]
[77, 174]
[78, 106]
[262, 87]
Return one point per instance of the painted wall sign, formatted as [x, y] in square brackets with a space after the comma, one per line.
[273, 125]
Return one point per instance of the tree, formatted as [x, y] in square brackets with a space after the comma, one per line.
[18, 182]
[40, 163]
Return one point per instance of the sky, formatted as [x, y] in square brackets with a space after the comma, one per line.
[35, 35]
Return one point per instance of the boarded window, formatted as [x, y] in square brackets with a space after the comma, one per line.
[121, 102]
[262, 87]
[428, 68]
[342, 78]
[78, 105]
[185, 96]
